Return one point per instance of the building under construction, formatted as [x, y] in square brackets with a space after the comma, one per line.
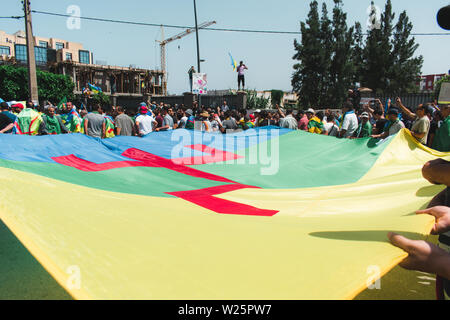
[70, 58]
[114, 81]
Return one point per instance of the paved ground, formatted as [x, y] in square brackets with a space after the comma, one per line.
[23, 278]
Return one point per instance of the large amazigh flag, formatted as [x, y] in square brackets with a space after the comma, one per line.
[265, 214]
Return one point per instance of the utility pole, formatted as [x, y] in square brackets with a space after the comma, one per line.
[198, 51]
[32, 78]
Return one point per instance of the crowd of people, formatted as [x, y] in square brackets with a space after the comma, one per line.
[429, 124]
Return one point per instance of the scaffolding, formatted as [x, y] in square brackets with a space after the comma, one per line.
[114, 81]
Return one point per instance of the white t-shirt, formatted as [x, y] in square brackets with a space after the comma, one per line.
[350, 124]
[289, 123]
[182, 123]
[331, 128]
[145, 124]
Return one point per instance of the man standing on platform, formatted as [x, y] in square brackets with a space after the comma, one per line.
[191, 76]
[241, 78]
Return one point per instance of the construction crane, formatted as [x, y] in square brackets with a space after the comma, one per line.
[164, 42]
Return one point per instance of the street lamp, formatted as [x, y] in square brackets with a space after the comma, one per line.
[198, 51]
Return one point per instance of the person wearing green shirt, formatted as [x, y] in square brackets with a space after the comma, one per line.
[53, 124]
[365, 127]
[441, 140]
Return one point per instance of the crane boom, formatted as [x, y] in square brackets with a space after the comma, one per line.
[164, 42]
[187, 32]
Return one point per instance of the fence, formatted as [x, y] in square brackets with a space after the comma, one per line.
[410, 100]
[213, 101]
[240, 100]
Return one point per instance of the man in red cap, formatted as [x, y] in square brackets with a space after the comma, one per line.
[144, 122]
[17, 108]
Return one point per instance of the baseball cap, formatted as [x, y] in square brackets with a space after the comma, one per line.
[189, 112]
[364, 115]
[17, 105]
[144, 109]
[258, 111]
[310, 110]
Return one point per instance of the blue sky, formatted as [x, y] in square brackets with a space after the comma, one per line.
[269, 57]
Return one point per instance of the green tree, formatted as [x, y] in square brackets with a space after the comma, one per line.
[406, 68]
[377, 59]
[325, 69]
[307, 79]
[388, 64]
[326, 54]
[276, 96]
[255, 102]
[52, 87]
[101, 98]
[342, 67]
[357, 53]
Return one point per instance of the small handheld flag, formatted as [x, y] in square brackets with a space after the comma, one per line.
[62, 103]
[94, 89]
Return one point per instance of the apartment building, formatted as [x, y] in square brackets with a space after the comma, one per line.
[70, 58]
[47, 50]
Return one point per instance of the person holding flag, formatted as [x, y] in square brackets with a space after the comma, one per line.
[29, 121]
[110, 127]
[241, 77]
[70, 117]
[53, 123]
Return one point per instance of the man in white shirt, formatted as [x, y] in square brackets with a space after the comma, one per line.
[287, 121]
[145, 123]
[331, 127]
[183, 118]
[224, 108]
[350, 122]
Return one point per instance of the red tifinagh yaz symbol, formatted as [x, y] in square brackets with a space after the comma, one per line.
[204, 197]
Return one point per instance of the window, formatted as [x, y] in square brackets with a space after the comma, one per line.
[21, 53]
[5, 50]
[59, 45]
[84, 57]
[43, 44]
[41, 55]
[68, 56]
